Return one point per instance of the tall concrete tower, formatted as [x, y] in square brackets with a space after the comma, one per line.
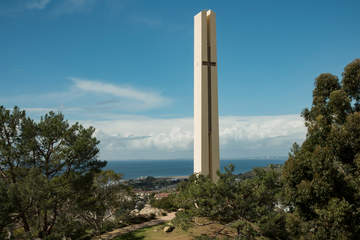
[206, 115]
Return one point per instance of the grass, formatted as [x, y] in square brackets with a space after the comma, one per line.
[130, 236]
[156, 233]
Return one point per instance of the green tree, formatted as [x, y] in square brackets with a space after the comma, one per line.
[322, 177]
[6, 208]
[43, 163]
[242, 204]
[107, 202]
[166, 203]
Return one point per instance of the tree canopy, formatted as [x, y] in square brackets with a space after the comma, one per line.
[45, 166]
[322, 176]
[242, 204]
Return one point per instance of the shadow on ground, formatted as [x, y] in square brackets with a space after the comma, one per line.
[129, 236]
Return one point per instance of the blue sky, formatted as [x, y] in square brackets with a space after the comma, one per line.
[126, 67]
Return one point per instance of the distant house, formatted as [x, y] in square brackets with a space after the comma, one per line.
[161, 195]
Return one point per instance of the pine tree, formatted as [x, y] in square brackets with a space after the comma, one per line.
[45, 165]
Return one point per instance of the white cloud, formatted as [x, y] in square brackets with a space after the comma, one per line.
[134, 136]
[153, 138]
[89, 99]
[39, 110]
[147, 100]
[37, 4]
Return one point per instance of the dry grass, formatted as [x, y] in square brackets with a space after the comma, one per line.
[156, 233]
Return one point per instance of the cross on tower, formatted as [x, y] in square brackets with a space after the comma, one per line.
[209, 63]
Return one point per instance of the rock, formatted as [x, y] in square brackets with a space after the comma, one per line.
[148, 210]
[168, 229]
[135, 212]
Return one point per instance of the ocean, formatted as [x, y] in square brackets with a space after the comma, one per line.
[165, 168]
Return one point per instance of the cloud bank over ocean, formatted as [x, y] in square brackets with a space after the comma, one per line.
[154, 138]
[120, 114]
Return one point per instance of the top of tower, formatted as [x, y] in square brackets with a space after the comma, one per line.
[209, 12]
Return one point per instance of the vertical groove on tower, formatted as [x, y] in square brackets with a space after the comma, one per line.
[209, 93]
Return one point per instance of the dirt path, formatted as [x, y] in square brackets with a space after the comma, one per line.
[134, 227]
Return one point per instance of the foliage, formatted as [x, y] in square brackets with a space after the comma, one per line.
[322, 176]
[150, 183]
[182, 220]
[166, 203]
[136, 219]
[273, 225]
[129, 236]
[240, 204]
[107, 202]
[46, 166]
[6, 208]
[205, 237]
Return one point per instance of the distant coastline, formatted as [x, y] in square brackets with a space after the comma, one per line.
[270, 157]
[151, 184]
[134, 169]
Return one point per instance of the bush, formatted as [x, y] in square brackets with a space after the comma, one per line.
[166, 203]
[182, 220]
[205, 237]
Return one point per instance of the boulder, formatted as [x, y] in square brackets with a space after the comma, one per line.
[168, 229]
[148, 210]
